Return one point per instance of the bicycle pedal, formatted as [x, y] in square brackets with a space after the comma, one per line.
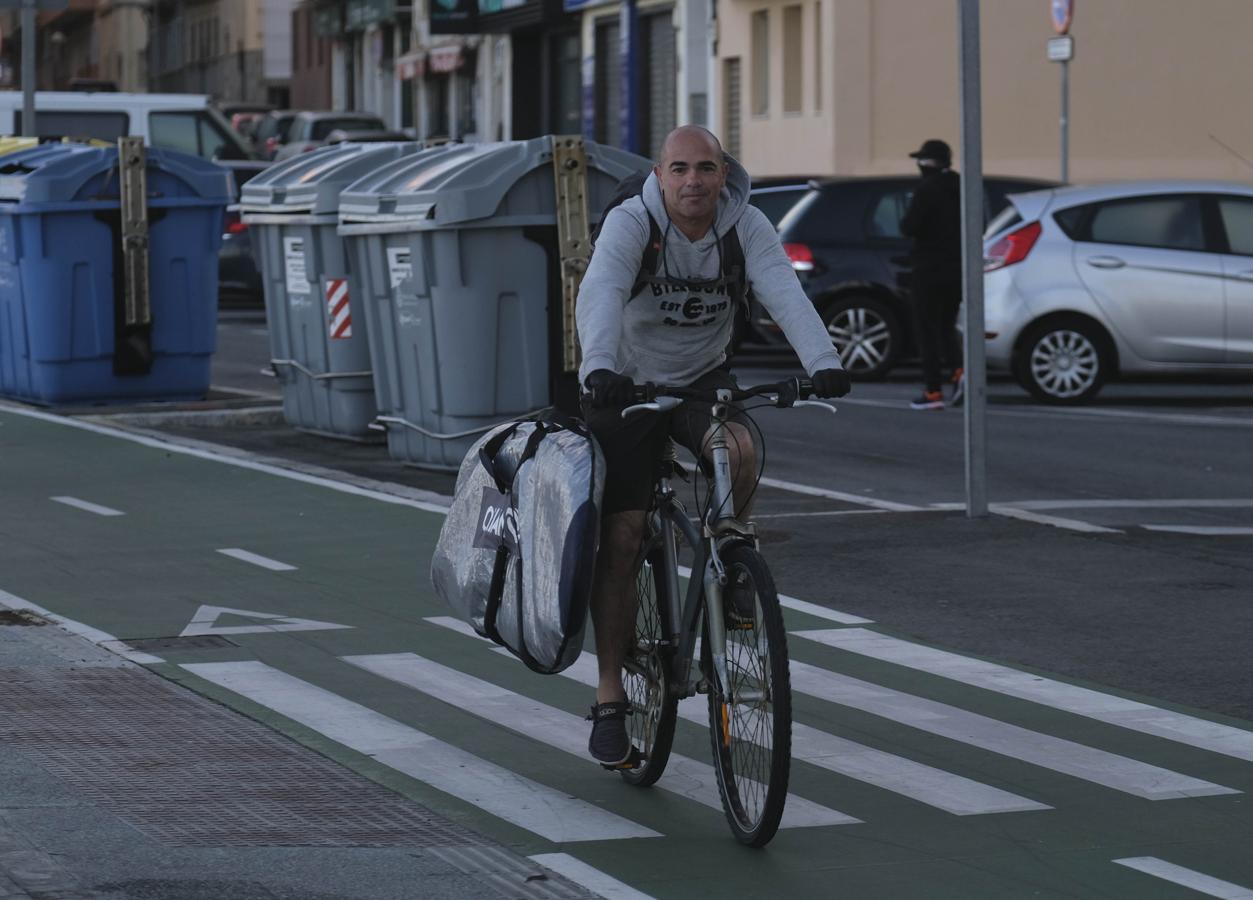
[634, 761]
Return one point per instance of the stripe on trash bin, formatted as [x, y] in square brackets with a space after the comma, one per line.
[337, 311]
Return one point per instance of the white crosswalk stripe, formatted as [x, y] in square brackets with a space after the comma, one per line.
[548, 812]
[1197, 881]
[952, 793]
[1164, 723]
[1077, 760]
[562, 730]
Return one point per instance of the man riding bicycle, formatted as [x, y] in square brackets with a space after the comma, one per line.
[673, 329]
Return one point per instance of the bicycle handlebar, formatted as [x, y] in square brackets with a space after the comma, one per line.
[784, 394]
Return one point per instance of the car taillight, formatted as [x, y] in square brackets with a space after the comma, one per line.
[271, 144]
[801, 256]
[1012, 248]
[234, 225]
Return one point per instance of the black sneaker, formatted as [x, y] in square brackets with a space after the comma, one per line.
[959, 388]
[929, 400]
[740, 601]
[609, 744]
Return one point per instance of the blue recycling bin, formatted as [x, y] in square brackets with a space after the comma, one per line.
[63, 332]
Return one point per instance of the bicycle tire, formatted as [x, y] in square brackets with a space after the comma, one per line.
[646, 677]
[752, 742]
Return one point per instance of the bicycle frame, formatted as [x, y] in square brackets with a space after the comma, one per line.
[681, 621]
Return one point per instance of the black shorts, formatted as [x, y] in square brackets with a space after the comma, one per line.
[633, 446]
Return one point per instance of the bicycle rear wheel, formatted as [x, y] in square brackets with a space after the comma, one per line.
[750, 719]
[646, 677]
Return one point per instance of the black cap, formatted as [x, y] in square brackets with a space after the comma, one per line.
[934, 149]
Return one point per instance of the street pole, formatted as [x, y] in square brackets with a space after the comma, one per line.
[1065, 121]
[28, 68]
[972, 259]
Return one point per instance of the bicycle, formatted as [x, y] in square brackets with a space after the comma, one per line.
[743, 667]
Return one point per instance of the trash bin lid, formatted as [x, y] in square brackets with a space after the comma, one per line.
[472, 183]
[311, 182]
[61, 173]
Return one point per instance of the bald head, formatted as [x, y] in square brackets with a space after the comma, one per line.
[691, 173]
[691, 138]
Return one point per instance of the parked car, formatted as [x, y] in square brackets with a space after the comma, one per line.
[186, 122]
[309, 130]
[271, 132]
[777, 194]
[845, 243]
[339, 136]
[1083, 283]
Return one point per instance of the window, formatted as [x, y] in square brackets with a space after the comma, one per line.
[818, 56]
[1170, 222]
[607, 82]
[1237, 216]
[104, 126]
[886, 212]
[324, 127]
[793, 70]
[731, 109]
[761, 62]
[193, 132]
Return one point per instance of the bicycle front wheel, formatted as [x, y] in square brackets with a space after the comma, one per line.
[646, 677]
[750, 718]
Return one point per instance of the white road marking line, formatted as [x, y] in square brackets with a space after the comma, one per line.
[821, 513]
[1188, 878]
[1132, 504]
[100, 638]
[1168, 418]
[1204, 530]
[541, 810]
[562, 730]
[263, 561]
[925, 784]
[1108, 708]
[596, 881]
[88, 507]
[813, 609]
[245, 460]
[934, 787]
[1067, 757]
[859, 499]
[1011, 512]
[206, 617]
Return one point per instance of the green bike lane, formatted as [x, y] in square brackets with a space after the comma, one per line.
[360, 561]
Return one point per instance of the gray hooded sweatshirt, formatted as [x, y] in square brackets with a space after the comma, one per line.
[672, 335]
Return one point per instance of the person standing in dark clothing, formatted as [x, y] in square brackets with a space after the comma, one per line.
[933, 220]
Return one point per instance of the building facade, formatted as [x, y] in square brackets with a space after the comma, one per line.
[233, 50]
[852, 86]
[88, 43]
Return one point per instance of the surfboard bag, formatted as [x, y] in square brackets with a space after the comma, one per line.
[516, 555]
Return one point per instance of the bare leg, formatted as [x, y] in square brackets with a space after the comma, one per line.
[614, 599]
[743, 467]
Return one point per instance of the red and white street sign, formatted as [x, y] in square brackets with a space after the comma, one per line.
[337, 312]
[1063, 15]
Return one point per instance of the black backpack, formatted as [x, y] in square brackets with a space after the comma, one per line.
[733, 267]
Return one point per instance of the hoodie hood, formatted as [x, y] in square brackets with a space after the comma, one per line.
[731, 203]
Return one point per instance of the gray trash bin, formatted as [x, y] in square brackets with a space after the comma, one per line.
[459, 268]
[318, 338]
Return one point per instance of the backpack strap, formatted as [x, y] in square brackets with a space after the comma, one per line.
[734, 268]
[652, 252]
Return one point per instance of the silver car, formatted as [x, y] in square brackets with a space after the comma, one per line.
[1082, 283]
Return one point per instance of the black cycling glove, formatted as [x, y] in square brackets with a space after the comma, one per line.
[609, 388]
[831, 383]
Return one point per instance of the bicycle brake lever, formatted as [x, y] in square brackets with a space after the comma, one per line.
[661, 404]
[826, 406]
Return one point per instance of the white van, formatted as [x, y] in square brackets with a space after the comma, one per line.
[183, 122]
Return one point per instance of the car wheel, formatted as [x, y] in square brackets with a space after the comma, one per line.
[1063, 361]
[866, 333]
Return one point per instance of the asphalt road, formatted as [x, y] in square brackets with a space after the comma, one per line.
[1052, 701]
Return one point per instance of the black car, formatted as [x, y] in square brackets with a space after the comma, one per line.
[845, 242]
[777, 194]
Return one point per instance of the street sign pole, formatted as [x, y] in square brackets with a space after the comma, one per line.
[972, 260]
[1065, 121]
[28, 68]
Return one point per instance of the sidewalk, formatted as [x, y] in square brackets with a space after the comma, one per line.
[118, 785]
